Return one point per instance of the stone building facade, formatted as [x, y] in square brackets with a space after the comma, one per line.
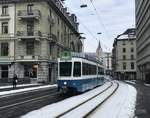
[32, 34]
[107, 60]
[124, 55]
[143, 39]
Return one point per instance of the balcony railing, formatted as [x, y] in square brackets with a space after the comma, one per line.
[2, 35]
[36, 33]
[28, 57]
[4, 17]
[52, 37]
[6, 58]
[24, 14]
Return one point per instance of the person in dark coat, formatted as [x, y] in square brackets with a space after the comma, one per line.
[15, 80]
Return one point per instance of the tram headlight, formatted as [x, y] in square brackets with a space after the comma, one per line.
[65, 83]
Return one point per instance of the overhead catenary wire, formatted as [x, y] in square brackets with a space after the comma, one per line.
[99, 18]
[85, 27]
[100, 21]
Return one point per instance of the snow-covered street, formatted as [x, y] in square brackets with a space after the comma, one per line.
[120, 105]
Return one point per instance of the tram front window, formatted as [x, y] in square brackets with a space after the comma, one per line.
[77, 69]
[65, 68]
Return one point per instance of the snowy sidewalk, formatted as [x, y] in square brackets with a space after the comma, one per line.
[120, 105]
[20, 85]
[23, 90]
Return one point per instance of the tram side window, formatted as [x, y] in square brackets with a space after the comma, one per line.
[100, 71]
[88, 69]
[77, 69]
[65, 68]
[85, 69]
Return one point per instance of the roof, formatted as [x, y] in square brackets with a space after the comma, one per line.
[128, 34]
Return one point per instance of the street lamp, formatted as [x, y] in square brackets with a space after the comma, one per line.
[83, 5]
[99, 33]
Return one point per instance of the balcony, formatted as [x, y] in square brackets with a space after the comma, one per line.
[8, 35]
[6, 59]
[24, 14]
[28, 58]
[52, 37]
[29, 35]
[4, 17]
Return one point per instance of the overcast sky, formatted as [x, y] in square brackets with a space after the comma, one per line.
[112, 18]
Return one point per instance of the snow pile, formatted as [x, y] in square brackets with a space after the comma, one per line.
[53, 110]
[108, 78]
[12, 92]
[127, 110]
[132, 82]
[147, 85]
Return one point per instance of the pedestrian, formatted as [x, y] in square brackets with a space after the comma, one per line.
[15, 80]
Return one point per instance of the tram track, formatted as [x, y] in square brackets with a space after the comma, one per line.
[24, 103]
[87, 114]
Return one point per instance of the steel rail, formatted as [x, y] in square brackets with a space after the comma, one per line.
[94, 109]
[62, 114]
[29, 100]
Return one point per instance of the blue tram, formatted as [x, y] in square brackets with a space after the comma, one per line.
[80, 73]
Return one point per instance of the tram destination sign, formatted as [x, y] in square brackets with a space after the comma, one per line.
[65, 55]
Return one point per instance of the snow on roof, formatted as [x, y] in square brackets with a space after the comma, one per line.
[126, 37]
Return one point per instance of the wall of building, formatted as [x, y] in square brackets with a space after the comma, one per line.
[43, 44]
[128, 54]
[143, 38]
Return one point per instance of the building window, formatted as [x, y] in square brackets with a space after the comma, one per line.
[58, 20]
[58, 35]
[77, 69]
[4, 71]
[132, 49]
[132, 43]
[58, 52]
[30, 47]
[30, 9]
[50, 13]
[50, 48]
[4, 49]
[5, 28]
[30, 71]
[132, 56]
[123, 43]
[132, 65]
[124, 50]
[4, 10]
[30, 28]
[124, 57]
[124, 66]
